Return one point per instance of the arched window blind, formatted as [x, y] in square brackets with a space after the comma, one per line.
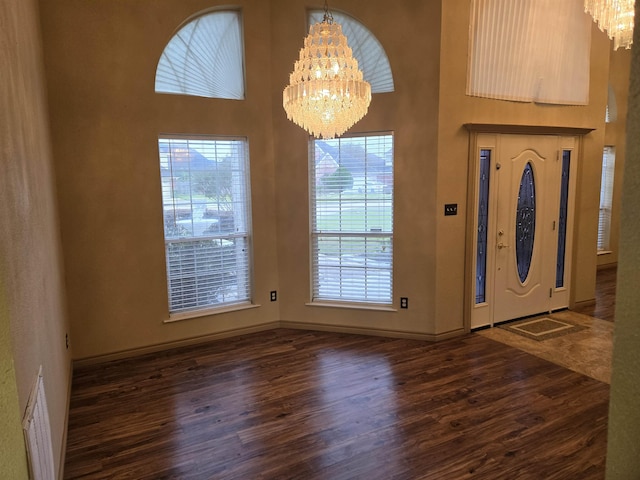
[372, 59]
[529, 51]
[204, 58]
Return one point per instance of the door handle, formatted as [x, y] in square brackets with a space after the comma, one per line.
[502, 245]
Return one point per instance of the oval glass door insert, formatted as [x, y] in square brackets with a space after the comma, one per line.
[525, 222]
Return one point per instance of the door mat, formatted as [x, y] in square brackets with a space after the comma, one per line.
[542, 328]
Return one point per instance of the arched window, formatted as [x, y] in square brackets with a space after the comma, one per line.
[204, 58]
[372, 59]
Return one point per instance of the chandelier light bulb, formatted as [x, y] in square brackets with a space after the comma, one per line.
[326, 94]
[615, 17]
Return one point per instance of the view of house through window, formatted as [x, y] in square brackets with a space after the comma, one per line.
[352, 218]
[606, 198]
[205, 195]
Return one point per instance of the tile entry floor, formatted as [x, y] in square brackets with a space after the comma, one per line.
[587, 351]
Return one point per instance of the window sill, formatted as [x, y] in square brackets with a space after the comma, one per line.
[604, 252]
[177, 317]
[353, 306]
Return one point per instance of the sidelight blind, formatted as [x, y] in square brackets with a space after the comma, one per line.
[205, 194]
[351, 186]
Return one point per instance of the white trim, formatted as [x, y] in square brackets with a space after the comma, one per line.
[189, 314]
[353, 306]
[160, 347]
[375, 332]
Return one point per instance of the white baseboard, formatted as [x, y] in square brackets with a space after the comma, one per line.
[134, 352]
[63, 447]
[377, 332]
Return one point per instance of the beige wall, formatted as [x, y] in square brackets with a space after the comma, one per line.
[615, 134]
[411, 113]
[100, 59]
[623, 461]
[32, 313]
[456, 109]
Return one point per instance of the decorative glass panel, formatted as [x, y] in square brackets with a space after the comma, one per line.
[562, 217]
[525, 222]
[483, 222]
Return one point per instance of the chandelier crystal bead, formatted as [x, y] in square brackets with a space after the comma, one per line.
[615, 17]
[326, 94]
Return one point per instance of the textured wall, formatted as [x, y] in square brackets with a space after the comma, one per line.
[100, 60]
[615, 134]
[32, 319]
[457, 109]
[623, 461]
[409, 31]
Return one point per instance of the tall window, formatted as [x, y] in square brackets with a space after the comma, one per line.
[205, 194]
[606, 198]
[352, 218]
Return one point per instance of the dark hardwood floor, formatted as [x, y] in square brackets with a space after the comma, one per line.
[287, 404]
[605, 301]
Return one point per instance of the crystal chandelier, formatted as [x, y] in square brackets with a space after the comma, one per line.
[326, 94]
[614, 16]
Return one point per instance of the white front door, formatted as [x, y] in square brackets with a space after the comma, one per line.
[523, 226]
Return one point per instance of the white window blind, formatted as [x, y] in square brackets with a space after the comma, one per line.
[367, 50]
[529, 51]
[204, 58]
[606, 197]
[205, 194]
[351, 187]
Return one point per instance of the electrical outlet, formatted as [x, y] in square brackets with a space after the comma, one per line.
[274, 295]
[404, 302]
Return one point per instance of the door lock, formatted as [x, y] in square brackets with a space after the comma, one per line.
[502, 245]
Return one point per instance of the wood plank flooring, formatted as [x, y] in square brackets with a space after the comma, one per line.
[288, 404]
[605, 295]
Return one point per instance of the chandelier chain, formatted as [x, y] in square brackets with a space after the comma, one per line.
[328, 17]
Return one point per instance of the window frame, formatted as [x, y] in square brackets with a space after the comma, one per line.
[316, 299]
[221, 236]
